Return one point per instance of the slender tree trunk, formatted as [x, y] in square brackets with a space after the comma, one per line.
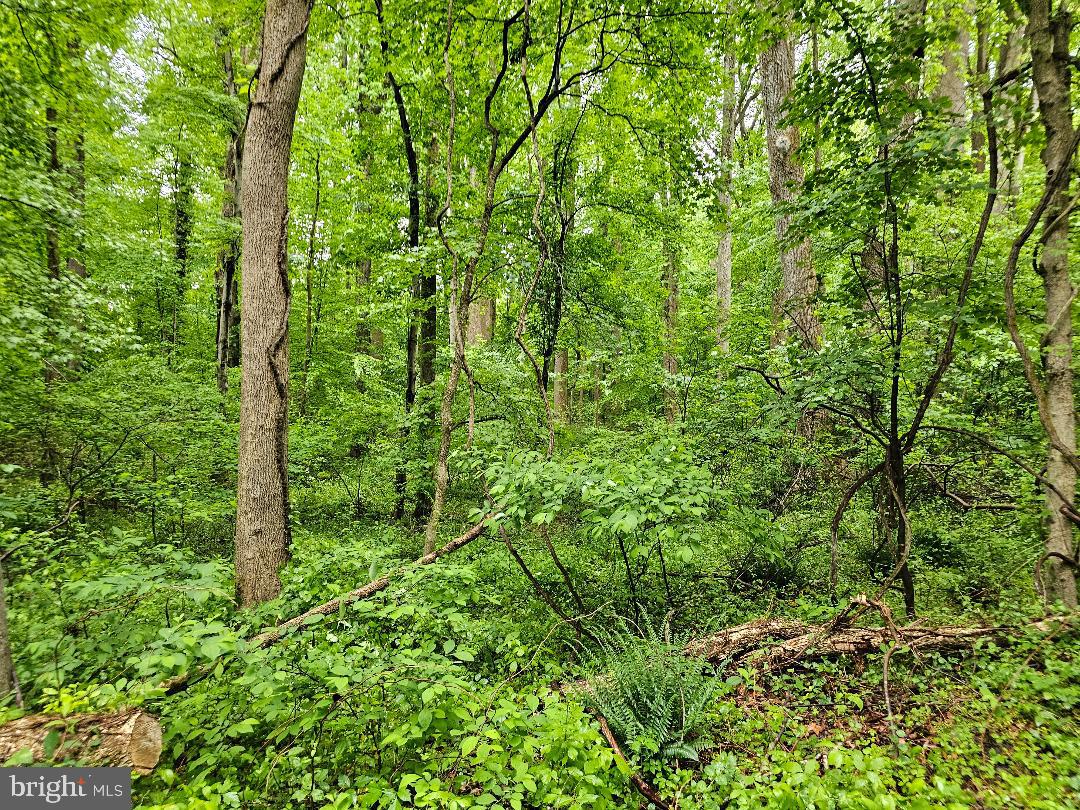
[52, 233]
[427, 344]
[799, 283]
[262, 503]
[979, 81]
[8, 680]
[562, 387]
[723, 248]
[459, 312]
[1048, 33]
[1018, 101]
[229, 256]
[182, 200]
[413, 234]
[671, 320]
[309, 291]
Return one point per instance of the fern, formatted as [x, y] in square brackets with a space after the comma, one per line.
[654, 698]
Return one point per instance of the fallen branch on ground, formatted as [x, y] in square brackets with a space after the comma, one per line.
[127, 738]
[636, 779]
[269, 637]
[773, 643]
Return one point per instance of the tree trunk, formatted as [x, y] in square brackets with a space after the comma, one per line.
[562, 388]
[671, 319]
[52, 234]
[459, 317]
[8, 680]
[979, 81]
[229, 256]
[126, 738]
[369, 339]
[953, 84]
[52, 231]
[1017, 100]
[1048, 33]
[309, 291]
[427, 343]
[799, 283]
[262, 502]
[182, 200]
[723, 248]
[481, 321]
[413, 233]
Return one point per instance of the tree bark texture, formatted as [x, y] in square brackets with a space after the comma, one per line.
[229, 255]
[1048, 33]
[798, 282]
[126, 738]
[562, 386]
[262, 503]
[481, 322]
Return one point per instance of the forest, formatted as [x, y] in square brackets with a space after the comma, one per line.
[541, 403]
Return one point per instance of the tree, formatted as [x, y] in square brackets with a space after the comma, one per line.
[1048, 32]
[263, 535]
[795, 299]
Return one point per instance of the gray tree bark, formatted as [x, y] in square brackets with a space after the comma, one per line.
[799, 283]
[262, 500]
[1048, 32]
[481, 322]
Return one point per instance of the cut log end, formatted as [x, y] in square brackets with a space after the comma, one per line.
[126, 738]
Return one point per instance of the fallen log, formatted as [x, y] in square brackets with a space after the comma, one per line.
[269, 637]
[773, 643]
[127, 738]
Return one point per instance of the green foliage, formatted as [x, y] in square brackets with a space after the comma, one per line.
[688, 478]
[655, 699]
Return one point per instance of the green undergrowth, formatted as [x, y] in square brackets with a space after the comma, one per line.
[456, 687]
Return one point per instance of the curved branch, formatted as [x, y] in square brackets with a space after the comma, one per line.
[1053, 186]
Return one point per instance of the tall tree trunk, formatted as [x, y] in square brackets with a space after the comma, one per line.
[427, 343]
[562, 387]
[979, 81]
[8, 680]
[309, 291]
[262, 501]
[369, 339]
[229, 255]
[481, 321]
[1018, 102]
[671, 319]
[52, 231]
[413, 233]
[723, 248]
[459, 320]
[799, 283]
[953, 84]
[1048, 33]
[182, 200]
